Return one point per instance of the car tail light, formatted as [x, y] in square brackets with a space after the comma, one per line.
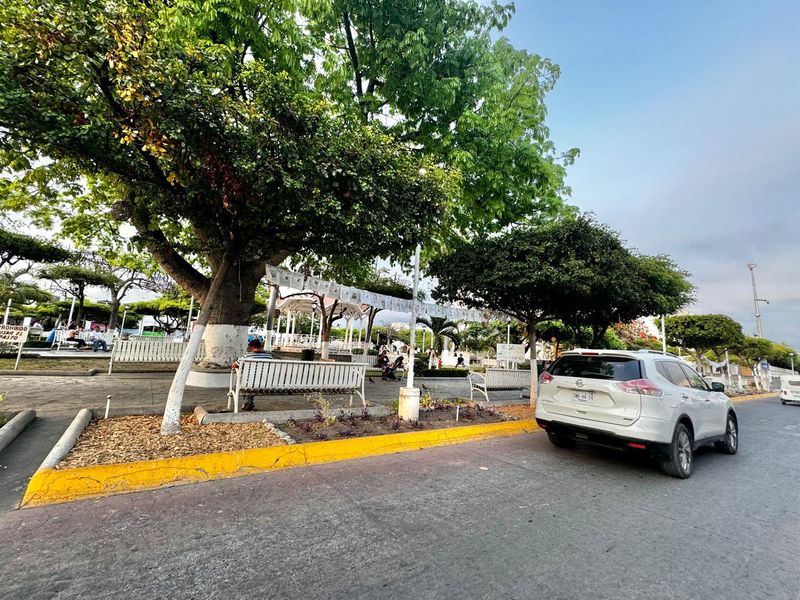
[545, 377]
[640, 386]
[637, 446]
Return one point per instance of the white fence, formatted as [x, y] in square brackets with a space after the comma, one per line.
[130, 351]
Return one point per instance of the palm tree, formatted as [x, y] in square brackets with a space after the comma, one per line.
[442, 328]
[20, 292]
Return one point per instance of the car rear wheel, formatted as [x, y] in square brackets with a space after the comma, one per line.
[561, 441]
[730, 443]
[680, 460]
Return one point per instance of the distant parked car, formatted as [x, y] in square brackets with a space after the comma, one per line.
[790, 389]
[643, 400]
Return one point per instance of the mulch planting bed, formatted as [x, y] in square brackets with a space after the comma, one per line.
[129, 439]
[518, 411]
[347, 424]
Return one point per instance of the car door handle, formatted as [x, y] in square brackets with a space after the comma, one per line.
[685, 396]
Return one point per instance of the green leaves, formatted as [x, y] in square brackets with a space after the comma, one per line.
[703, 332]
[573, 270]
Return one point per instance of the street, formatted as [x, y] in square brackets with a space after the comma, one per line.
[507, 518]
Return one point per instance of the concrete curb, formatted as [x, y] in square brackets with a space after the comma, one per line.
[50, 486]
[276, 416]
[10, 431]
[67, 441]
[48, 373]
[750, 397]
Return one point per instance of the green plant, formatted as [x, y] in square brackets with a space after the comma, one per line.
[394, 407]
[357, 351]
[321, 407]
[426, 402]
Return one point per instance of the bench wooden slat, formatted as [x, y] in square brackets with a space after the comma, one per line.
[498, 379]
[255, 376]
[131, 351]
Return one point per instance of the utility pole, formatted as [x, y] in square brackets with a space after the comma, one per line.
[756, 299]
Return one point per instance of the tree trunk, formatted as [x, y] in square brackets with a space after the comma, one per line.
[229, 319]
[370, 321]
[112, 319]
[326, 319]
[534, 366]
[171, 423]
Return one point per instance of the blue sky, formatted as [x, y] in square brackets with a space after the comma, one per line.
[687, 115]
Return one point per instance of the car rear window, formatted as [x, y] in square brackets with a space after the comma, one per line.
[617, 368]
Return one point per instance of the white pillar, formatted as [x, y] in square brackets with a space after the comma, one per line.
[278, 330]
[311, 335]
[408, 407]
[8, 310]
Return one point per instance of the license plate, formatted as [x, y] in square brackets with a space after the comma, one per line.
[583, 397]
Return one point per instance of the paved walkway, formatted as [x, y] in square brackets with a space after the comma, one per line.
[50, 395]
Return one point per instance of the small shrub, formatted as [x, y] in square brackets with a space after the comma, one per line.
[365, 416]
[341, 417]
[426, 402]
[329, 421]
[395, 424]
[357, 351]
[321, 436]
[394, 406]
[306, 426]
[347, 432]
[321, 407]
[291, 422]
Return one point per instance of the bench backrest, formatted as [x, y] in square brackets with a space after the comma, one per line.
[300, 375]
[147, 351]
[507, 379]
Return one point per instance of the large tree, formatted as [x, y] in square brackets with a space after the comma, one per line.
[196, 124]
[573, 270]
[73, 280]
[439, 75]
[702, 333]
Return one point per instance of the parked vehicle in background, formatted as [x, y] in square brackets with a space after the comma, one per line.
[645, 400]
[790, 389]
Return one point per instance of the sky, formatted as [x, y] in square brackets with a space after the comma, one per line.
[687, 116]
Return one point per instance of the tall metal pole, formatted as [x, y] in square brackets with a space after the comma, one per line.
[71, 310]
[756, 299]
[408, 407]
[413, 337]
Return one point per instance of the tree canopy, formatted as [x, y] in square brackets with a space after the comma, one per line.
[194, 122]
[15, 247]
[703, 333]
[572, 270]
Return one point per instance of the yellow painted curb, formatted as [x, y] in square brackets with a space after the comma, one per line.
[49, 486]
[749, 397]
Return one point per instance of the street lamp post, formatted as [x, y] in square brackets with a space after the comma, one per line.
[756, 299]
[791, 358]
[408, 408]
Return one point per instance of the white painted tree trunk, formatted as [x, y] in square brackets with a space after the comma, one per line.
[171, 423]
[325, 349]
[534, 367]
[224, 344]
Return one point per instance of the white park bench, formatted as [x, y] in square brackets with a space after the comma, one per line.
[498, 379]
[260, 377]
[146, 351]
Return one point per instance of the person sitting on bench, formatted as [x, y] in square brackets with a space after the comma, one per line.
[389, 370]
[72, 336]
[255, 351]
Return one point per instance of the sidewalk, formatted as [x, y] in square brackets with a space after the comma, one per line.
[58, 396]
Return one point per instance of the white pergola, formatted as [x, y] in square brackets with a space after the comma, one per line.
[308, 304]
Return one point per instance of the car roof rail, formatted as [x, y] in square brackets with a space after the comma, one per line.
[648, 351]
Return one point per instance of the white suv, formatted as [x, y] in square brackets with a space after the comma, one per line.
[642, 400]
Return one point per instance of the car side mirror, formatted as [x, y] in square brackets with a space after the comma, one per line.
[717, 386]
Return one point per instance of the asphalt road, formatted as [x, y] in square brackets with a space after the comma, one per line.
[510, 518]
